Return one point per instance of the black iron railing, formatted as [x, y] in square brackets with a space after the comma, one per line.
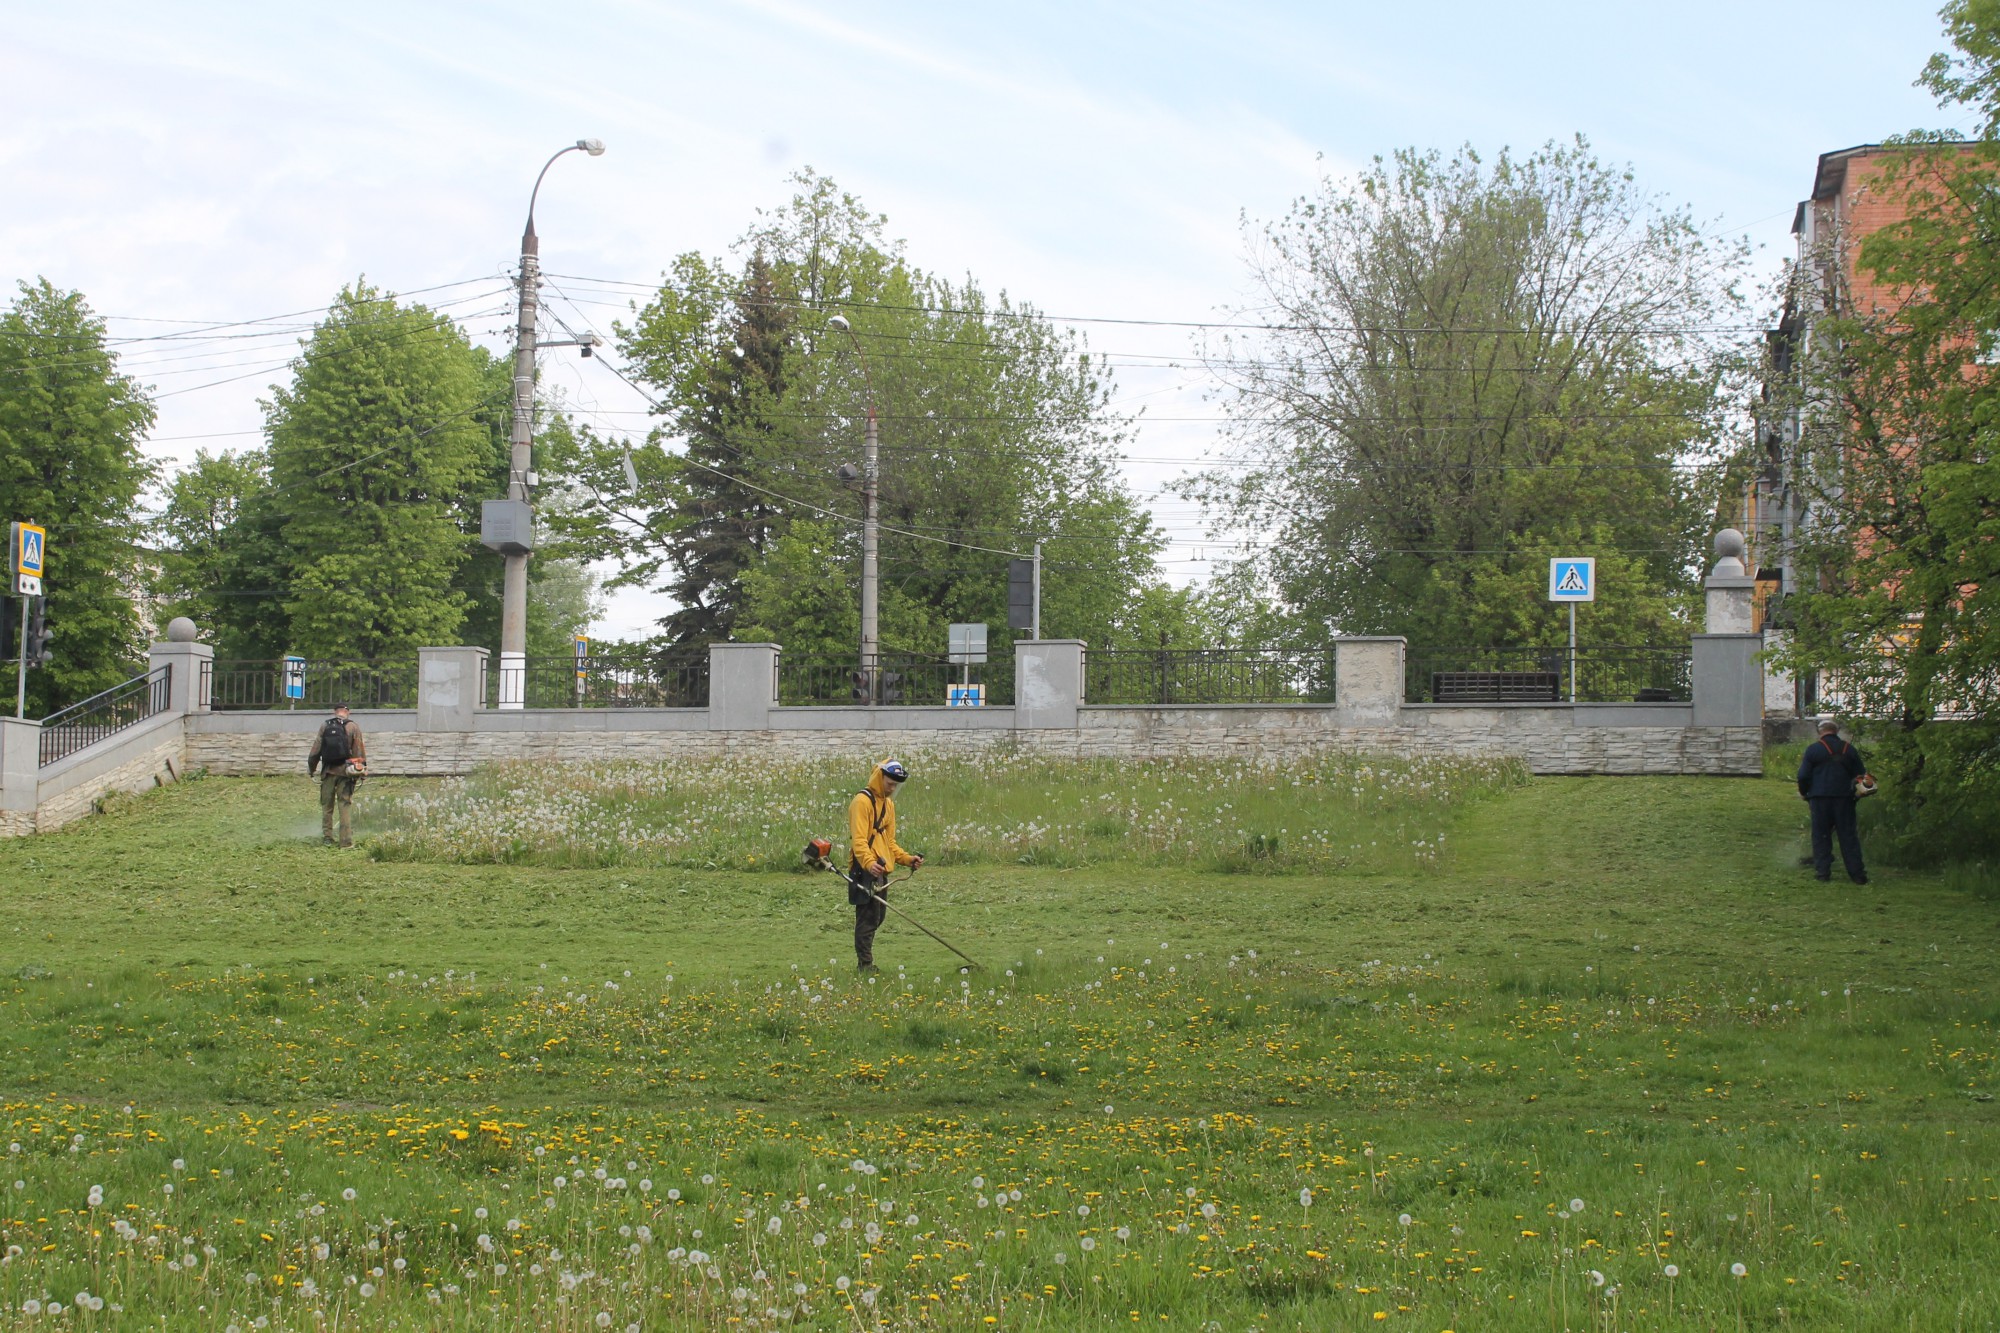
[1544, 675]
[313, 683]
[674, 680]
[1208, 676]
[105, 715]
[905, 679]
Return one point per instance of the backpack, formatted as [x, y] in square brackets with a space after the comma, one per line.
[333, 744]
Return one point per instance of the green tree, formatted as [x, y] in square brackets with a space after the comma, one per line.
[200, 533]
[995, 430]
[374, 446]
[1471, 367]
[721, 527]
[70, 431]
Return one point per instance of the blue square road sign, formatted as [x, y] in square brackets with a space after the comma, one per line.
[1573, 579]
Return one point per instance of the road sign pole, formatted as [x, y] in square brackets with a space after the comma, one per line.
[1572, 652]
[21, 678]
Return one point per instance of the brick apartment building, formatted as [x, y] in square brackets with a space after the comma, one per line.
[1850, 201]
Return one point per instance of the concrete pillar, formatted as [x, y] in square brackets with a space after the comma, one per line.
[190, 687]
[1730, 587]
[20, 770]
[1048, 682]
[742, 686]
[1781, 689]
[1368, 680]
[1728, 680]
[451, 687]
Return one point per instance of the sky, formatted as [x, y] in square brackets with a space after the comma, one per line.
[191, 164]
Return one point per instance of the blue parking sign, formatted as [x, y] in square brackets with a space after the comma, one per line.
[1573, 579]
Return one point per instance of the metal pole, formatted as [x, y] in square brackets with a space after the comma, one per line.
[871, 540]
[1573, 651]
[21, 680]
[1037, 630]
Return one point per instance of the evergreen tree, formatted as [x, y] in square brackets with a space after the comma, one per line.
[721, 526]
[70, 431]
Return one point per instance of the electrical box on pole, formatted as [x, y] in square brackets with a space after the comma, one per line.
[507, 526]
[1021, 594]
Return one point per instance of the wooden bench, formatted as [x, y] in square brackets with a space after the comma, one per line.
[1496, 687]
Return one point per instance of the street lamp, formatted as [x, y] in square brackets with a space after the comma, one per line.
[508, 525]
[871, 534]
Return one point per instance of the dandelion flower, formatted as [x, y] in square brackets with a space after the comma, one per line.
[1596, 1278]
[1576, 1205]
[349, 1194]
[1672, 1270]
[1737, 1270]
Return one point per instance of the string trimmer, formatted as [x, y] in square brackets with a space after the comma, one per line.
[819, 857]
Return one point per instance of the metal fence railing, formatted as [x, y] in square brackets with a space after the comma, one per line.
[673, 680]
[1547, 675]
[313, 683]
[106, 714]
[1208, 676]
[901, 680]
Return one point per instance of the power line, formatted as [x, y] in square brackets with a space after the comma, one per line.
[1031, 315]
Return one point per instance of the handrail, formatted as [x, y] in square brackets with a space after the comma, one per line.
[105, 714]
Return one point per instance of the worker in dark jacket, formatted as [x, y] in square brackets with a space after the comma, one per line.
[1826, 780]
[341, 756]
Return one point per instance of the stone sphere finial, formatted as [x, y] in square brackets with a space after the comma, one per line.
[1729, 543]
[181, 630]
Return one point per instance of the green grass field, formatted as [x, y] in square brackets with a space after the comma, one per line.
[1349, 1046]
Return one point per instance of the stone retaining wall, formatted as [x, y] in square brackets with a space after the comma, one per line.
[139, 759]
[1553, 739]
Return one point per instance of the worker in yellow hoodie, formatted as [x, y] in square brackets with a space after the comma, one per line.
[873, 851]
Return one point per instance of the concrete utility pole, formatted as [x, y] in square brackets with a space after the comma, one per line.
[871, 528]
[514, 591]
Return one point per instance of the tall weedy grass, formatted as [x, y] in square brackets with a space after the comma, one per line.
[1328, 813]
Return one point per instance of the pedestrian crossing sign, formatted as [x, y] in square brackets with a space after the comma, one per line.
[30, 546]
[1573, 579]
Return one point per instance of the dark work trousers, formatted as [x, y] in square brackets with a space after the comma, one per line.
[336, 792]
[1835, 815]
[862, 890]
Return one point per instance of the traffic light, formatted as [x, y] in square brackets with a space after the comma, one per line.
[10, 629]
[892, 687]
[38, 632]
[859, 682]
